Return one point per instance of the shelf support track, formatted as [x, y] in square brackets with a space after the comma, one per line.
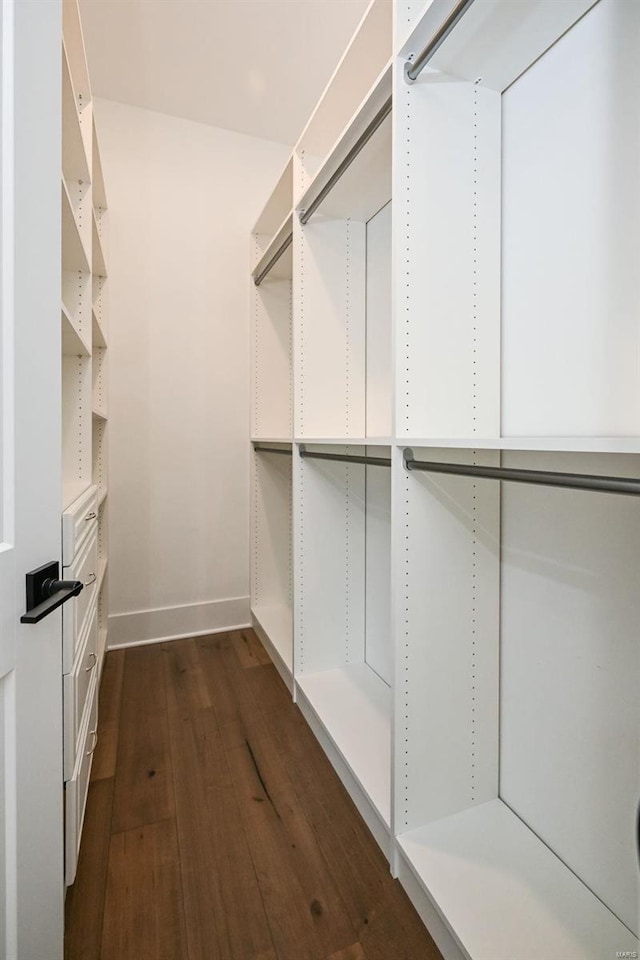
[345, 458]
[268, 267]
[363, 139]
[413, 68]
[549, 478]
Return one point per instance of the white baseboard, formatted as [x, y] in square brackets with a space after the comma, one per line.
[177, 623]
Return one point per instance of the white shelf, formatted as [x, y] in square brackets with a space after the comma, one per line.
[283, 268]
[98, 333]
[551, 444]
[277, 205]
[75, 163]
[99, 414]
[345, 441]
[73, 343]
[98, 263]
[504, 895]
[286, 440]
[99, 193]
[102, 495]
[367, 54]
[74, 255]
[354, 706]
[276, 621]
[365, 187]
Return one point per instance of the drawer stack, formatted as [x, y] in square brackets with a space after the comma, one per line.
[82, 662]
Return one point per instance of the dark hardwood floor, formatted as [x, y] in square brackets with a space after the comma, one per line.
[216, 829]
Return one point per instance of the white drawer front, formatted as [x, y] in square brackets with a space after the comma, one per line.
[75, 612]
[76, 688]
[78, 521]
[77, 788]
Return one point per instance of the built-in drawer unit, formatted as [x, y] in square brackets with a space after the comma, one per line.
[77, 787]
[76, 688]
[75, 613]
[78, 522]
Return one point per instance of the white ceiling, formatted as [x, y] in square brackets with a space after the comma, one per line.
[256, 66]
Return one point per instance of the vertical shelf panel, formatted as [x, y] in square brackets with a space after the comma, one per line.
[447, 249]
[378, 308]
[330, 309]
[99, 455]
[76, 426]
[378, 653]
[447, 569]
[272, 359]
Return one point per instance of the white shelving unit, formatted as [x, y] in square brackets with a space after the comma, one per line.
[466, 651]
[84, 423]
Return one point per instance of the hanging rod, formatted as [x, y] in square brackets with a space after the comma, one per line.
[259, 277]
[259, 449]
[363, 139]
[413, 68]
[346, 458]
[549, 478]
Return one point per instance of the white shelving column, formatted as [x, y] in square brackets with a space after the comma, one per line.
[272, 425]
[342, 388]
[517, 753]
[100, 379]
[84, 415]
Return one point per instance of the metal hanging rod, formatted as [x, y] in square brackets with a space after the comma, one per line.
[346, 458]
[548, 478]
[363, 139]
[283, 451]
[413, 68]
[259, 277]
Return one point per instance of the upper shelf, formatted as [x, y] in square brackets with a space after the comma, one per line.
[282, 269]
[75, 162]
[74, 44]
[365, 186]
[489, 42]
[278, 205]
[367, 54]
[76, 62]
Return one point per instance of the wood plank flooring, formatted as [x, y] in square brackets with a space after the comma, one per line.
[216, 829]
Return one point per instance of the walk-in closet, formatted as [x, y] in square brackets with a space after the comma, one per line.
[320, 461]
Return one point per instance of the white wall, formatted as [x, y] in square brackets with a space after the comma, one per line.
[182, 199]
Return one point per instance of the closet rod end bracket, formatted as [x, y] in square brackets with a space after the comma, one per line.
[407, 73]
[408, 457]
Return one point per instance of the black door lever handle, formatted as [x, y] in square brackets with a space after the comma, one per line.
[45, 593]
[51, 587]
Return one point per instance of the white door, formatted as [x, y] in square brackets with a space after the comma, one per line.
[31, 784]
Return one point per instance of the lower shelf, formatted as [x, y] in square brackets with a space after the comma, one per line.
[354, 706]
[276, 622]
[504, 895]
